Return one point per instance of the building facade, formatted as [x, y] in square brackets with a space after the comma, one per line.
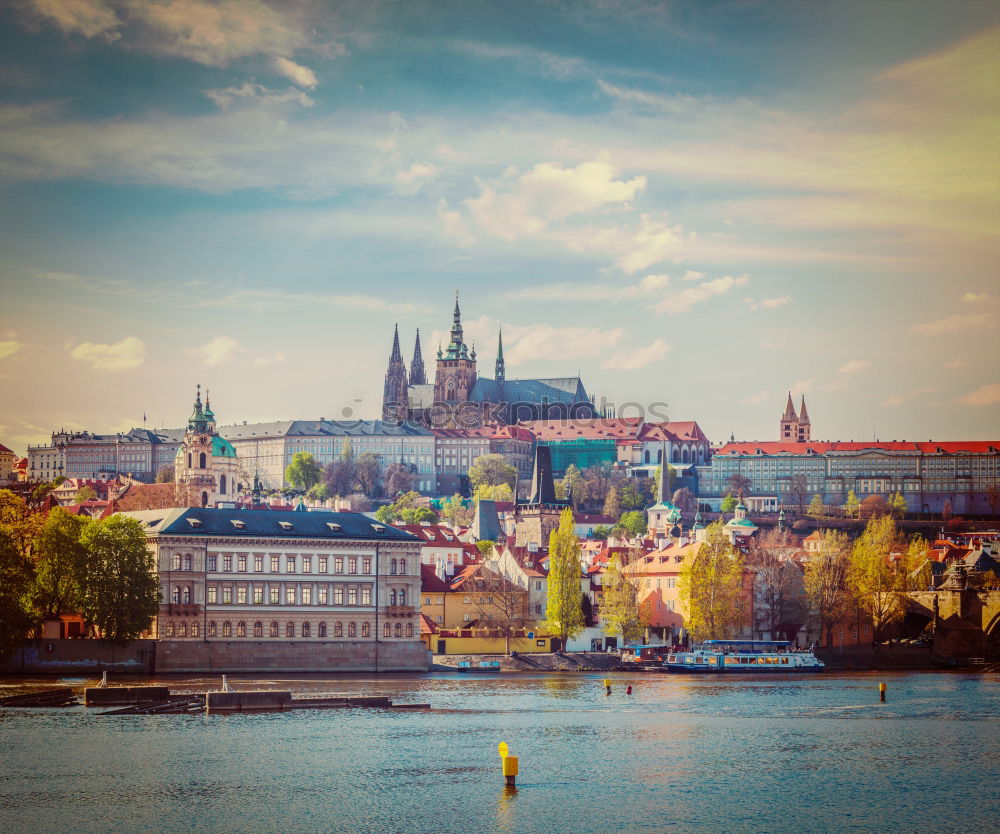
[206, 468]
[139, 453]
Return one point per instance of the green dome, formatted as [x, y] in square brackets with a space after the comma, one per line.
[222, 448]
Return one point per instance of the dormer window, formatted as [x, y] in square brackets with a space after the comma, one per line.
[333, 526]
[194, 522]
[378, 528]
[285, 525]
[239, 525]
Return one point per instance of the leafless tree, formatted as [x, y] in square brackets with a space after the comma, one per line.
[779, 591]
[501, 604]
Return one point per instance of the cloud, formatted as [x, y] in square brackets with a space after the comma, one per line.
[802, 386]
[298, 74]
[121, 356]
[687, 298]
[852, 367]
[955, 364]
[268, 300]
[691, 275]
[769, 303]
[9, 348]
[89, 18]
[273, 359]
[633, 359]
[644, 290]
[218, 351]
[256, 94]
[956, 323]
[654, 242]
[756, 399]
[974, 298]
[893, 400]
[986, 395]
[412, 179]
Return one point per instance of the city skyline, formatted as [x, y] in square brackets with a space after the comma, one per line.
[706, 205]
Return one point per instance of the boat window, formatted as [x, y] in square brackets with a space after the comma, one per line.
[672, 658]
[784, 660]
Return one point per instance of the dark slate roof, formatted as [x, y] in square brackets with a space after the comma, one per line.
[313, 525]
[324, 428]
[567, 390]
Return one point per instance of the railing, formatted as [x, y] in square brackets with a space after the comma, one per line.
[399, 610]
[184, 609]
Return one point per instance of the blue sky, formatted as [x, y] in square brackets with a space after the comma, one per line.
[703, 204]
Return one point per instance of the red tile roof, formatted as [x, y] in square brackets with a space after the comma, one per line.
[822, 447]
[598, 428]
[430, 582]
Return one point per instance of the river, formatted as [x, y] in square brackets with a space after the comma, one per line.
[682, 753]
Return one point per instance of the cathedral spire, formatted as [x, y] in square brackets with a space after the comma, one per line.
[395, 397]
[500, 369]
[789, 409]
[803, 416]
[396, 355]
[418, 376]
[456, 347]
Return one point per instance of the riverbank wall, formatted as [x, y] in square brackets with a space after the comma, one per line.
[61, 657]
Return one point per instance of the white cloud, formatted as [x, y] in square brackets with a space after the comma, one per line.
[296, 73]
[893, 400]
[633, 359]
[955, 364]
[530, 343]
[986, 395]
[272, 359]
[219, 350]
[410, 180]
[691, 275]
[802, 386]
[687, 298]
[756, 399]
[121, 356]
[974, 297]
[768, 303]
[852, 367]
[86, 17]
[256, 94]
[654, 242]
[955, 324]
[9, 348]
[647, 288]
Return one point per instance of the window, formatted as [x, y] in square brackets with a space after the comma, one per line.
[289, 629]
[322, 595]
[274, 629]
[366, 565]
[241, 595]
[366, 596]
[258, 564]
[305, 630]
[227, 562]
[201, 461]
[258, 594]
[182, 630]
[177, 561]
[366, 630]
[402, 596]
[402, 565]
[307, 564]
[227, 629]
[386, 630]
[307, 594]
[258, 629]
[338, 564]
[392, 568]
[409, 629]
[290, 564]
[352, 596]
[338, 595]
[275, 564]
[194, 629]
[274, 597]
[168, 630]
[399, 630]
[466, 617]
[439, 619]
[211, 629]
[321, 630]
[227, 595]
[392, 596]
[338, 629]
[175, 596]
[352, 564]
[323, 564]
[241, 629]
[212, 562]
[352, 629]
[290, 595]
[241, 563]
[427, 600]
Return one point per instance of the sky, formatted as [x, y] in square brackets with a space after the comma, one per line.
[701, 205]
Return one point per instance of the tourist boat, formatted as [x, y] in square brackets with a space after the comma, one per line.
[743, 656]
[478, 666]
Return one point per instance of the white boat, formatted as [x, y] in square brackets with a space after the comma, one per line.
[744, 656]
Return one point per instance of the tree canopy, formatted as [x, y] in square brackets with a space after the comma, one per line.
[634, 522]
[826, 582]
[15, 584]
[563, 613]
[875, 571]
[621, 610]
[492, 470]
[711, 587]
[61, 560]
[303, 472]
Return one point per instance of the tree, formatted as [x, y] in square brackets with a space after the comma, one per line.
[303, 472]
[485, 547]
[873, 506]
[711, 587]
[874, 574]
[399, 477]
[634, 522]
[339, 474]
[898, 505]
[492, 470]
[358, 503]
[84, 493]
[612, 506]
[15, 585]
[575, 486]
[798, 488]
[60, 562]
[120, 592]
[563, 613]
[318, 492]
[778, 592]
[501, 604]
[367, 472]
[165, 474]
[917, 573]
[630, 497]
[738, 484]
[500, 492]
[601, 531]
[621, 611]
[728, 503]
[20, 521]
[599, 480]
[684, 500]
[852, 506]
[993, 497]
[826, 582]
[418, 515]
[816, 509]
[455, 513]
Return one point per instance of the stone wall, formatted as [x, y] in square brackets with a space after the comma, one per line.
[75, 656]
[291, 656]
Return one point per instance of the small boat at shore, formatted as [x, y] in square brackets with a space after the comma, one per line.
[480, 666]
[744, 657]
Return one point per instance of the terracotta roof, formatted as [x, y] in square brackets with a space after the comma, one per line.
[427, 625]
[438, 534]
[822, 447]
[431, 582]
[5, 449]
[147, 497]
[597, 428]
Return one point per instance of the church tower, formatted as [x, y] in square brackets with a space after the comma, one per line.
[394, 395]
[456, 367]
[501, 371]
[804, 428]
[417, 374]
[206, 467]
[789, 432]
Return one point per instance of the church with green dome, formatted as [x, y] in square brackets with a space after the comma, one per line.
[206, 469]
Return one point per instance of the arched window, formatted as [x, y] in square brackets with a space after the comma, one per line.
[177, 561]
[674, 456]
[352, 629]
[386, 630]
[201, 461]
[366, 629]
[194, 629]
[187, 561]
[212, 631]
[409, 629]
[274, 629]
[646, 456]
[227, 629]
[204, 499]
[685, 455]
[402, 565]
[289, 629]
[306, 630]
[659, 455]
[189, 460]
[321, 630]
[258, 629]
[392, 567]
[392, 597]
[241, 629]
[338, 629]
[175, 596]
[402, 596]
[182, 630]
[222, 484]
[186, 595]
[399, 629]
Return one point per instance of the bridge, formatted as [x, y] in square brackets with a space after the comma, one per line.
[965, 621]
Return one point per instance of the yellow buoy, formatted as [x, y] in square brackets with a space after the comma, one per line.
[510, 769]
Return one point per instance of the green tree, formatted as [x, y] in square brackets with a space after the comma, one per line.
[500, 492]
[918, 575]
[387, 514]
[84, 493]
[20, 521]
[492, 470]
[318, 492]
[612, 506]
[418, 515]
[634, 522]
[711, 587]
[563, 613]
[816, 509]
[60, 562]
[303, 472]
[120, 590]
[728, 504]
[165, 474]
[852, 506]
[621, 610]
[630, 496]
[826, 582]
[15, 585]
[575, 486]
[485, 547]
[454, 511]
[601, 531]
[367, 472]
[899, 505]
[875, 575]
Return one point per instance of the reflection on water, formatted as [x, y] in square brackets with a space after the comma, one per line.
[802, 753]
